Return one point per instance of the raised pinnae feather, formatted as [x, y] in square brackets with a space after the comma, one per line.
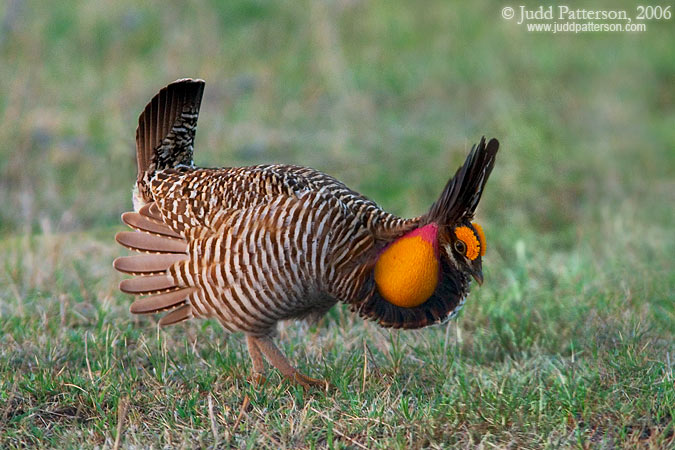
[462, 193]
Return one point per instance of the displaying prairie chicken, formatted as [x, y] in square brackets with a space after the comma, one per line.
[252, 246]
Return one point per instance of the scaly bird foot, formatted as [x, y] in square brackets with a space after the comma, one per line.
[266, 346]
[309, 382]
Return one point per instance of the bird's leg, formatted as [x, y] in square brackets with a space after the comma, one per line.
[278, 360]
[256, 360]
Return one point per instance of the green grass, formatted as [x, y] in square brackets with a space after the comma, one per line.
[569, 343]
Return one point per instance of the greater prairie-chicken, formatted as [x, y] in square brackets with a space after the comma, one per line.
[252, 246]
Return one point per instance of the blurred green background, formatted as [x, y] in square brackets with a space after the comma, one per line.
[387, 96]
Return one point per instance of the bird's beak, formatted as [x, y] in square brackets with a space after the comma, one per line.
[477, 274]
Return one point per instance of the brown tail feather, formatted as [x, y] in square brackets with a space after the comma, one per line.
[177, 315]
[144, 223]
[147, 264]
[148, 243]
[166, 128]
[146, 285]
[161, 302]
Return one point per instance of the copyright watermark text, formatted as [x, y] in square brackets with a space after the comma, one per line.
[564, 19]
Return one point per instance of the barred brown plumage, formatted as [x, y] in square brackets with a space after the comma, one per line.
[252, 246]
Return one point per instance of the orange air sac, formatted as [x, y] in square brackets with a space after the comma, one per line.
[406, 273]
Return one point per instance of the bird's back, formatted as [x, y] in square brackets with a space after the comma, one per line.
[202, 195]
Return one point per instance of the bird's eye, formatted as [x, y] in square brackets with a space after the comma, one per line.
[460, 246]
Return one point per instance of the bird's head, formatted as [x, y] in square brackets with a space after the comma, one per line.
[463, 246]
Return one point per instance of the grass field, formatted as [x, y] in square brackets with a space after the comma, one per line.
[569, 343]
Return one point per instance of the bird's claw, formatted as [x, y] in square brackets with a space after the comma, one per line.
[309, 382]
